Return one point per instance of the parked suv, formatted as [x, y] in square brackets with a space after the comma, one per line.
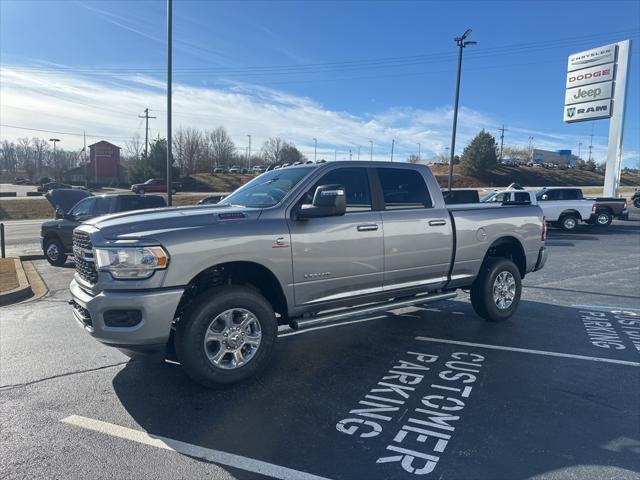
[73, 207]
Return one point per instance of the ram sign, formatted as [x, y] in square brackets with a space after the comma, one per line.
[590, 84]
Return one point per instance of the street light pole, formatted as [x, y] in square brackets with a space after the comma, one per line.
[249, 153]
[462, 43]
[358, 152]
[393, 142]
[315, 150]
[371, 155]
[169, 68]
[54, 140]
[419, 147]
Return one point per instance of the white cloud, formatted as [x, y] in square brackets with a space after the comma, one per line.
[109, 108]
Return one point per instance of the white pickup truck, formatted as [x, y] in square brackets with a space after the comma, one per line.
[565, 207]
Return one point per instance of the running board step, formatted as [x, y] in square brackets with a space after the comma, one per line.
[331, 316]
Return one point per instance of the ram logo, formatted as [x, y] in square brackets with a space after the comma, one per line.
[571, 111]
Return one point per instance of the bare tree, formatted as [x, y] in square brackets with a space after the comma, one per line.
[221, 149]
[26, 161]
[40, 149]
[133, 148]
[8, 156]
[413, 158]
[272, 149]
[290, 154]
[188, 145]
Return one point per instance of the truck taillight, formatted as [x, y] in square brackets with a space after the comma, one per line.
[624, 207]
[593, 208]
[543, 237]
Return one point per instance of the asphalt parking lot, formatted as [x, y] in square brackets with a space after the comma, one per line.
[431, 392]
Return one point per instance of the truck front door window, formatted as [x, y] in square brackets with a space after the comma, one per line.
[356, 184]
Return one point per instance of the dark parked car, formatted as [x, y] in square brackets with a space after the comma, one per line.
[53, 186]
[20, 181]
[457, 197]
[75, 206]
[155, 185]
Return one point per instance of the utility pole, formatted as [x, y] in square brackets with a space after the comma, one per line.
[461, 42]
[249, 152]
[358, 152]
[371, 155]
[393, 142]
[146, 132]
[169, 68]
[419, 147]
[502, 130]
[315, 150]
[530, 148]
[591, 142]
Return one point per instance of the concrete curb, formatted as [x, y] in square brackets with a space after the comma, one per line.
[22, 292]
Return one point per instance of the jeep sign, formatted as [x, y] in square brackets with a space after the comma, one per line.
[602, 73]
[588, 93]
[591, 58]
[587, 111]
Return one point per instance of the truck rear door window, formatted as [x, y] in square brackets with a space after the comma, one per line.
[403, 189]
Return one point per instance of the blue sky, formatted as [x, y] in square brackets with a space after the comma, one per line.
[342, 72]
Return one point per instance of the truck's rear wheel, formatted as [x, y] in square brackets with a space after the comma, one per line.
[603, 218]
[496, 292]
[569, 222]
[227, 336]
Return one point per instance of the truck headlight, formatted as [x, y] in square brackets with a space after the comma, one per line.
[131, 262]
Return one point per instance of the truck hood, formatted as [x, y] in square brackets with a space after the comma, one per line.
[155, 222]
[65, 198]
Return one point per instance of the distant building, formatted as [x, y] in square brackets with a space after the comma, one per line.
[103, 168]
[559, 157]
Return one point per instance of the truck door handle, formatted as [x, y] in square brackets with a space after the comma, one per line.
[367, 227]
[436, 223]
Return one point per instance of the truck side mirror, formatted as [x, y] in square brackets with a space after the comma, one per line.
[328, 201]
[544, 197]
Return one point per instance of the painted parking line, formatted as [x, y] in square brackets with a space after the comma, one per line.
[215, 456]
[607, 308]
[527, 350]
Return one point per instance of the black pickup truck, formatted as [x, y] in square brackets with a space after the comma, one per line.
[608, 208]
[73, 207]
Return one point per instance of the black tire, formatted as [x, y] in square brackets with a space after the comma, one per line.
[482, 290]
[603, 218]
[569, 222]
[54, 252]
[190, 335]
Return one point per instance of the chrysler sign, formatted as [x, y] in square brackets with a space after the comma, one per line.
[590, 84]
[591, 58]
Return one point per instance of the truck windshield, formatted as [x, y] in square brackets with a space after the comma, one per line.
[268, 189]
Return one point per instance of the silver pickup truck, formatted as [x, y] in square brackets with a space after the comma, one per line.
[298, 246]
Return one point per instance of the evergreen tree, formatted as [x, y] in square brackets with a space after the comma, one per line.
[479, 157]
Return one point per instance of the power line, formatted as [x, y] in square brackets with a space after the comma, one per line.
[61, 133]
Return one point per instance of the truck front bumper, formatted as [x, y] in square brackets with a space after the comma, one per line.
[138, 322]
[542, 258]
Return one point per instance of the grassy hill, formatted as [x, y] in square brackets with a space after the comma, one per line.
[502, 176]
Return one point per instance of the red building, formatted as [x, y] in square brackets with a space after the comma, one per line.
[103, 169]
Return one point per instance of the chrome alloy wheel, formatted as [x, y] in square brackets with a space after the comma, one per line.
[603, 219]
[53, 252]
[232, 338]
[504, 290]
[569, 223]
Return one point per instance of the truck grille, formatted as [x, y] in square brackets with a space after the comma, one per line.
[83, 256]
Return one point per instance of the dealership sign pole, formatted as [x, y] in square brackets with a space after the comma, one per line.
[596, 88]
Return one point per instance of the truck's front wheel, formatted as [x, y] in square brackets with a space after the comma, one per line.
[227, 336]
[496, 292]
